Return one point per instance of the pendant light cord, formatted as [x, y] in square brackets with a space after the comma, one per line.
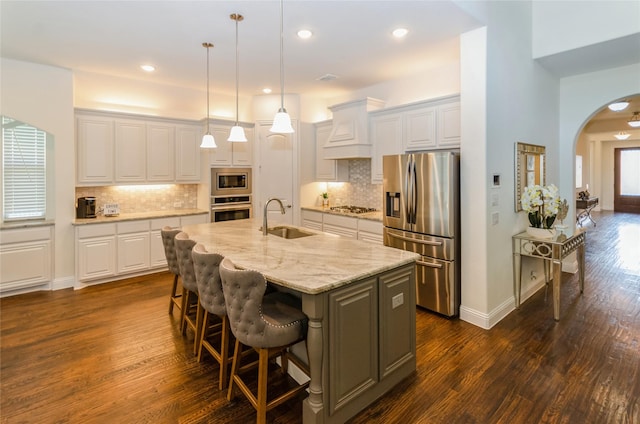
[281, 58]
[237, 72]
[207, 45]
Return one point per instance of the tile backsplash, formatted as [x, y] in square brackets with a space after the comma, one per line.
[147, 198]
[358, 191]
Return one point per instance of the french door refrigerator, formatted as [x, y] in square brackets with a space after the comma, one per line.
[421, 214]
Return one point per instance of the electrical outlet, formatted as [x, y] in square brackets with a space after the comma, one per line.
[495, 218]
[397, 300]
[177, 205]
[534, 275]
[495, 199]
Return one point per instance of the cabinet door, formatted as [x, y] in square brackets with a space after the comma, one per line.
[161, 154]
[131, 151]
[188, 139]
[223, 154]
[370, 231]
[133, 252]
[157, 258]
[193, 219]
[328, 169]
[353, 337]
[420, 129]
[311, 219]
[449, 125]
[397, 319]
[386, 135]
[25, 264]
[243, 152]
[94, 160]
[344, 226]
[96, 257]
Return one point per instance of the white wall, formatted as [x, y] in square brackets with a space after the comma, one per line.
[560, 26]
[520, 95]
[43, 96]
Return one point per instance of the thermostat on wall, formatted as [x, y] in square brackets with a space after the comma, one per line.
[111, 209]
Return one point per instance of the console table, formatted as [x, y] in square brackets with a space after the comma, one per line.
[552, 251]
[587, 206]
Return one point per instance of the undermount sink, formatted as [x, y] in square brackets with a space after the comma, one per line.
[288, 232]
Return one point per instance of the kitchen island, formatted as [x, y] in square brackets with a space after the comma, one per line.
[360, 300]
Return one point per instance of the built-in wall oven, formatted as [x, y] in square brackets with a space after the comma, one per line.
[230, 194]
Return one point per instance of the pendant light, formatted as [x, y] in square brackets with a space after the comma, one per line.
[208, 142]
[237, 132]
[282, 121]
[635, 120]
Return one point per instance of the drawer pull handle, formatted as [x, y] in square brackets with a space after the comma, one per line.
[426, 242]
[429, 264]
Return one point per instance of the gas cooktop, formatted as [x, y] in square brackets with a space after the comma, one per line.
[352, 209]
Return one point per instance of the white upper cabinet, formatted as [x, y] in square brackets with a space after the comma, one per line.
[420, 129]
[95, 145]
[230, 153]
[428, 125]
[328, 169]
[188, 139]
[386, 136]
[131, 151]
[161, 142]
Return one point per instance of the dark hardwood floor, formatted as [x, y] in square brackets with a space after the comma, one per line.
[112, 354]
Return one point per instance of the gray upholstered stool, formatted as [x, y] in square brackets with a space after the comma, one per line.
[214, 335]
[168, 234]
[184, 246]
[264, 323]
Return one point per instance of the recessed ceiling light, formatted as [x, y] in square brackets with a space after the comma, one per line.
[400, 32]
[618, 106]
[266, 90]
[304, 33]
[148, 68]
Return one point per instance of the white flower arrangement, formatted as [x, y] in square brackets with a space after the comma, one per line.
[541, 203]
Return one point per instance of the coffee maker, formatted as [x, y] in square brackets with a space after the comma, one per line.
[86, 207]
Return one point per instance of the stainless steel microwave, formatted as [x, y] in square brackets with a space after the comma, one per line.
[230, 181]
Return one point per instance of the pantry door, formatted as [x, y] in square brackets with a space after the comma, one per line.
[276, 174]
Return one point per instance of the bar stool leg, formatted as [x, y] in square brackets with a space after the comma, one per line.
[261, 404]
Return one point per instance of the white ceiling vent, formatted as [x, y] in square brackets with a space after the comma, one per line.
[327, 77]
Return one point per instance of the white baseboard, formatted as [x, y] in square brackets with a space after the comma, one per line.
[63, 283]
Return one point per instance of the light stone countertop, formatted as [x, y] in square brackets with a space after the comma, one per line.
[371, 216]
[101, 219]
[311, 265]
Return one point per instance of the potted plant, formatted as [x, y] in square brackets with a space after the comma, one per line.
[325, 199]
[542, 204]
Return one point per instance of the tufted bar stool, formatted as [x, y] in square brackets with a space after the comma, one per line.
[269, 325]
[214, 335]
[184, 246]
[168, 234]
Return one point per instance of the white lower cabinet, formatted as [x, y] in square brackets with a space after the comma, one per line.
[133, 246]
[96, 251]
[126, 248]
[26, 257]
[346, 226]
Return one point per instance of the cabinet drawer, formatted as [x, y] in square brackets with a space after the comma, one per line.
[341, 221]
[133, 227]
[25, 234]
[370, 226]
[97, 230]
[158, 224]
[312, 216]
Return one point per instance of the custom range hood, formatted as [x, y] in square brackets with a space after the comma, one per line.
[349, 138]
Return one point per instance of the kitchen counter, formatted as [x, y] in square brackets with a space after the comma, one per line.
[311, 265]
[101, 219]
[360, 301]
[371, 216]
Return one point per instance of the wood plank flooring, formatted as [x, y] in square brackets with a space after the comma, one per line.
[112, 354]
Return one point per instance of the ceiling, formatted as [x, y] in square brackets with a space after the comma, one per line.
[606, 120]
[351, 39]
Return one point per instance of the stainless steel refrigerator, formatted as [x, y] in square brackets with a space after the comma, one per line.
[422, 215]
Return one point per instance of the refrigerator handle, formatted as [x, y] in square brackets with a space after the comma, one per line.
[414, 193]
[407, 191]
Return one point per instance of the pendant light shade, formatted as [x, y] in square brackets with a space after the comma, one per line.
[208, 142]
[635, 120]
[282, 121]
[236, 135]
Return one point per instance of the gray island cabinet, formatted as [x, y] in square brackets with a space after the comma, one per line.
[360, 300]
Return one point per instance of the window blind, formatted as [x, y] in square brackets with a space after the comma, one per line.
[23, 170]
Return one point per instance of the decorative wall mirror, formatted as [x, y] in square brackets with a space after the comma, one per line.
[529, 169]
